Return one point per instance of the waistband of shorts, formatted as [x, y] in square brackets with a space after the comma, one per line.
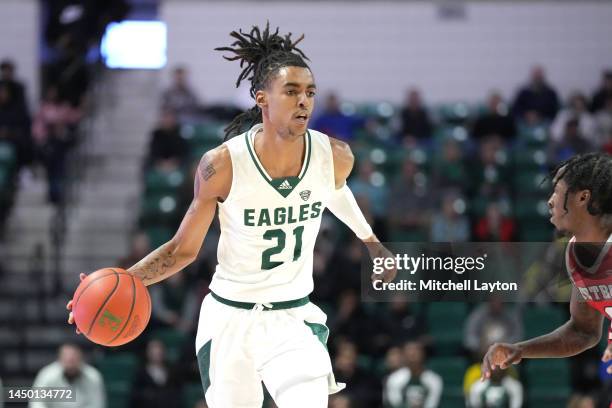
[288, 304]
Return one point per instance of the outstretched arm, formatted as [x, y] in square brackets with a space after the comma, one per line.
[581, 332]
[212, 182]
[344, 206]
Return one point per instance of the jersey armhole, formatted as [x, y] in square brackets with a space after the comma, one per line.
[232, 184]
[331, 161]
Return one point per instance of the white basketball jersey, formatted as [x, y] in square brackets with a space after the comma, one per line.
[269, 226]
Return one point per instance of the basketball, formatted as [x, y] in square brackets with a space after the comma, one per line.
[111, 307]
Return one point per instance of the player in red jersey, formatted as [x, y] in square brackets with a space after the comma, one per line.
[581, 206]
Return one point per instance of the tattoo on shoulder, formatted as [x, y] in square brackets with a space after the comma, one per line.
[206, 168]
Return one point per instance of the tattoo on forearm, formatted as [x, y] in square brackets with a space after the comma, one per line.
[155, 265]
[207, 170]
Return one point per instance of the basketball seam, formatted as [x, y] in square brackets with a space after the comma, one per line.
[95, 280]
[131, 309]
[104, 303]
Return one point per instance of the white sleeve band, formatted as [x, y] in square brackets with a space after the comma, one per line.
[343, 205]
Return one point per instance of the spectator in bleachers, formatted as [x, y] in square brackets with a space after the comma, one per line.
[55, 133]
[583, 401]
[12, 114]
[603, 93]
[415, 121]
[369, 186]
[494, 226]
[8, 77]
[166, 141]
[180, 96]
[362, 387]
[603, 119]
[489, 173]
[537, 97]
[139, 248]
[496, 121]
[154, 385]
[408, 201]
[71, 371]
[175, 303]
[571, 144]
[335, 123]
[501, 390]
[450, 170]
[491, 321]
[401, 322]
[351, 321]
[413, 385]
[450, 224]
[577, 109]
[339, 401]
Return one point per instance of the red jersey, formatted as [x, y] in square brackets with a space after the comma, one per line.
[594, 282]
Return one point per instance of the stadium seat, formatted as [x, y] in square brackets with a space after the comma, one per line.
[451, 369]
[531, 182]
[8, 155]
[118, 371]
[445, 322]
[192, 393]
[452, 396]
[158, 235]
[541, 320]
[530, 159]
[158, 182]
[172, 339]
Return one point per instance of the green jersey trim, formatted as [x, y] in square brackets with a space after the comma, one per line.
[283, 185]
[288, 304]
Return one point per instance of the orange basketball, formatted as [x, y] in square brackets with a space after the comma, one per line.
[111, 307]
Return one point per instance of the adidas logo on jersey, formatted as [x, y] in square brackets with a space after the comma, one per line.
[285, 186]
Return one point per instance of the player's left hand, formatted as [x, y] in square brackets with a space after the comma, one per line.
[378, 250]
[607, 356]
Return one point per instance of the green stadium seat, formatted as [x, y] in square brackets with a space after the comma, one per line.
[159, 209]
[548, 398]
[172, 339]
[536, 136]
[192, 393]
[158, 235]
[118, 367]
[532, 182]
[541, 320]
[531, 208]
[452, 397]
[530, 159]
[8, 155]
[451, 369]
[159, 182]
[445, 321]
[456, 112]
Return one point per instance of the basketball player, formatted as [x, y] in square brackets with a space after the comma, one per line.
[271, 185]
[580, 205]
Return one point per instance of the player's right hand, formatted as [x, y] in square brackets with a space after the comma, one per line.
[69, 307]
[500, 355]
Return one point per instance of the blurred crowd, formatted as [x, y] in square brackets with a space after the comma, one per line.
[39, 140]
[453, 172]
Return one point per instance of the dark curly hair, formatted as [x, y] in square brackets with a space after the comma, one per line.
[261, 55]
[593, 172]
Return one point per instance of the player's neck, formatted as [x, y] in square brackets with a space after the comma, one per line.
[591, 231]
[280, 156]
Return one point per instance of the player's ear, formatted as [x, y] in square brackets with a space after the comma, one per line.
[260, 99]
[583, 197]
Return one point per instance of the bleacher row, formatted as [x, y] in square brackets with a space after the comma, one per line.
[8, 173]
[522, 169]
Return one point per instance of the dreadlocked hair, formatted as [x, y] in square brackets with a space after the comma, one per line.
[593, 172]
[261, 55]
